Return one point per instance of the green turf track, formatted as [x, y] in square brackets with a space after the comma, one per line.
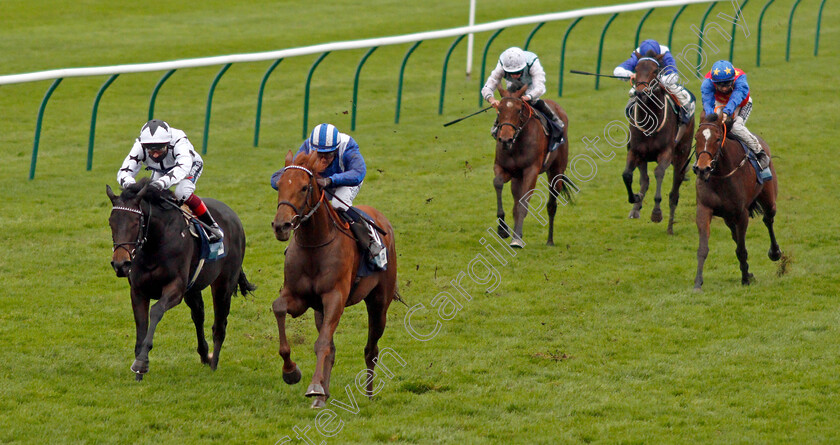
[598, 339]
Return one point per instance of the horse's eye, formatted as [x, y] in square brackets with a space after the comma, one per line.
[304, 188]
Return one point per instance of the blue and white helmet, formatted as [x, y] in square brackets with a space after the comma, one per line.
[324, 138]
[722, 71]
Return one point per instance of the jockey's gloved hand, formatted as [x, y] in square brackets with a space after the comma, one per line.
[324, 182]
[156, 185]
[727, 119]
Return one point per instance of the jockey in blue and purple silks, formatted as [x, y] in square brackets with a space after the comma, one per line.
[343, 178]
[668, 76]
[725, 89]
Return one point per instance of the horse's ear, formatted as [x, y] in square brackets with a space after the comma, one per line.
[289, 158]
[502, 91]
[521, 91]
[637, 54]
[659, 57]
[110, 193]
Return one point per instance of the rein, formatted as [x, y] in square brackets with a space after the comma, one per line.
[517, 130]
[142, 234]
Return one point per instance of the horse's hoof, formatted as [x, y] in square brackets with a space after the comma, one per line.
[670, 230]
[774, 254]
[292, 377]
[315, 390]
[517, 243]
[656, 215]
[747, 280]
[698, 289]
[549, 243]
[140, 367]
[318, 403]
[502, 232]
[138, 377]
[634, 214]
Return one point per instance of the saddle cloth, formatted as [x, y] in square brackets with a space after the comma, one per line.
[753, 161]
[367, 267]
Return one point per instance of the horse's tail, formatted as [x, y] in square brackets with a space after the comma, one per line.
[565, 182]
[398, 297]
[245, 287]
[756, 209]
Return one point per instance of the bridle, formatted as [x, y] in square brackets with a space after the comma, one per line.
[522, 116]
[714, 157]
[142, 234]
[299, 217]
[656, 74]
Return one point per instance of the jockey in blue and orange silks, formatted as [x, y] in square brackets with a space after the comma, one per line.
[668, 76]
[726, 87]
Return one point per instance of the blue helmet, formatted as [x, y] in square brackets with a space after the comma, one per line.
[649, 45]
[324, 138]
[722, 71]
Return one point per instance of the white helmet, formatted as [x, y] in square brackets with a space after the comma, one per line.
[155, 132]
[513, 60]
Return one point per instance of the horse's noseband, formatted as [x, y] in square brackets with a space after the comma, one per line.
[142, 234]
[299, 217]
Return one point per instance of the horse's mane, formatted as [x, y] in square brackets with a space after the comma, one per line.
[710, 118]
[308, 160]
[151, 195]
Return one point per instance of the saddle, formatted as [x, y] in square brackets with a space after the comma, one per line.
[753, 160]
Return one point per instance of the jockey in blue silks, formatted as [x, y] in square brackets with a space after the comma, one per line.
[725, 89]
[342, 178]
[668, 76]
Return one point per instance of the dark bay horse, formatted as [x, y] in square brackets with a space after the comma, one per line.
[521, 155]
[727, 188]
[320, 272]
[154, 249]
[654, 137]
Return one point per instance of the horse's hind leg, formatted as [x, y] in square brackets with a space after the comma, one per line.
[222, 294]
[285, 304]
[377, 309]
[767, 199]
[674, 196]
[196, 305]
[659, 173]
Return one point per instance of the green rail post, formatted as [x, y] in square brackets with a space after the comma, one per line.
[93, 118]
[209, 105]
[702, 32]
[790, 25]
[641, 22]
[758, 42]
[356, 85]
[563, 55]
[443, 76]
[674, 22]
[260, 100]
[402, 74]
[601, 48]
[531, 35]
[306, 93]
[734, 26]
[819, 20]
[483, 77]
[155, 93]
[38, 126]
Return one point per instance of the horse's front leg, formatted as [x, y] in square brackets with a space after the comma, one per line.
[333, 309]
[171, 295]
[704, 219]
[627, 176]
[321, 401]
[659, 173]
[519, 187]
[140, 307]
[738, 227]
[287, 304]
[501, 177]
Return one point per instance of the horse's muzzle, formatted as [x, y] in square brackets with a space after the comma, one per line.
[703, 173]
[282, 231]
[121, 268]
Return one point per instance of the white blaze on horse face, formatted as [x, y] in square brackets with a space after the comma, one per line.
[509, 105]
[706, 135]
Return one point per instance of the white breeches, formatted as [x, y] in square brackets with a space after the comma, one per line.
[345, 194]
[739, 129]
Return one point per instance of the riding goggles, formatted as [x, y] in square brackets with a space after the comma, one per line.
[156, 146]
[724, 84]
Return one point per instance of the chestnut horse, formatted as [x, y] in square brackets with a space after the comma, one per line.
[320, 272]
[654, 137]
[521, 155]
[154, 249]
[727, 187]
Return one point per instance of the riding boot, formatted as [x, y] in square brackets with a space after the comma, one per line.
[539, 104]
[214, 232]
[360, 229]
